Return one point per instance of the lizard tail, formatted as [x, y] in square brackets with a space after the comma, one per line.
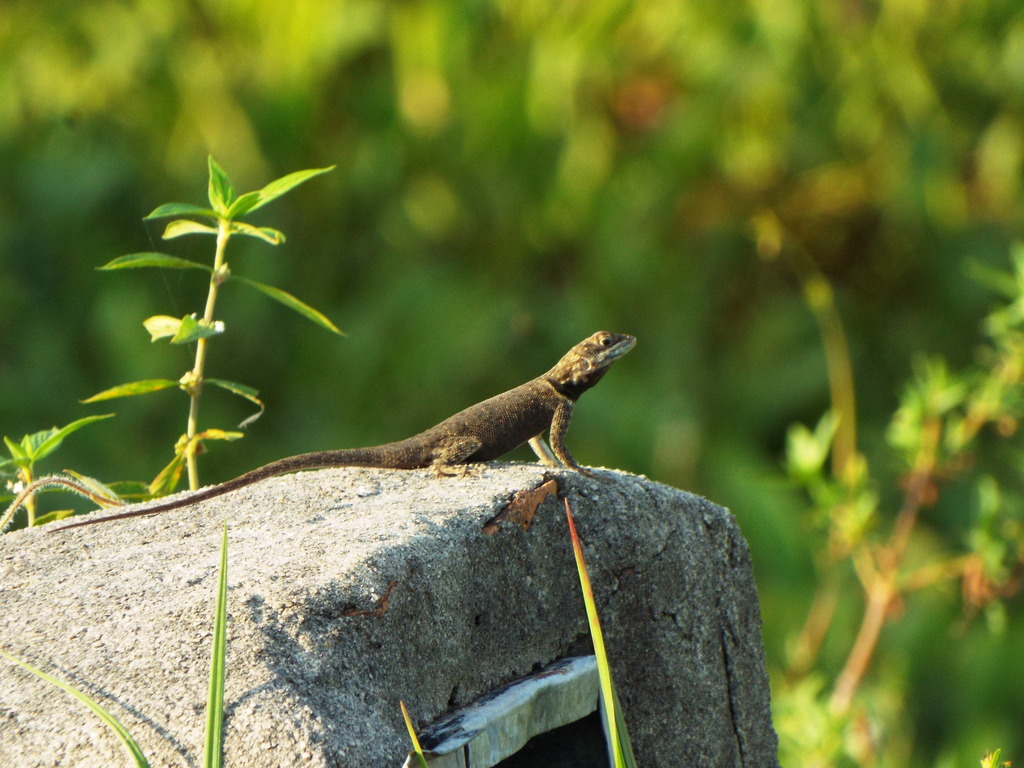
[389, 455]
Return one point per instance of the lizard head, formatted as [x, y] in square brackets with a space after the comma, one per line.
[584, 365]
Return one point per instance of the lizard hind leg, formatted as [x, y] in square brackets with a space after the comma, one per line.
[450, 457]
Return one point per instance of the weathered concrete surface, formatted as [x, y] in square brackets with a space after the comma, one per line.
[124, 611]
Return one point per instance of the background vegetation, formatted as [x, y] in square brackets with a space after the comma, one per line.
[512, 176]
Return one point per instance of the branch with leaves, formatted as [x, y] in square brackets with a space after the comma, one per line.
[934, 434]
[31, 449]
[221, 220]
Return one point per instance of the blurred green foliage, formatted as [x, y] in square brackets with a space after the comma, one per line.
[512, 176]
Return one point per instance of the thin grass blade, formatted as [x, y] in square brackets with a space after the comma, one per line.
[618, 741]
[412, 735]
[214, 746]
[625, 744]
[129, 744]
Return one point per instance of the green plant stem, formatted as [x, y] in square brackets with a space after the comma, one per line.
[775, 240]
[30, 501]
[196, 379]
[821, 301]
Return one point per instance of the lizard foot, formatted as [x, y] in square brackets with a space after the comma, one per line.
[454, 470]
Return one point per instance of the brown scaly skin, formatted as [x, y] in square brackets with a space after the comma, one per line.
[482, 432]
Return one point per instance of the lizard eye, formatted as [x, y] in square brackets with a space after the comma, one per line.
[605, 341]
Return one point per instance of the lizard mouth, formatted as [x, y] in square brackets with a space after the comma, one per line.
[617, 350]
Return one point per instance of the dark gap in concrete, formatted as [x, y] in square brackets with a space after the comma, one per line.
[577, 745]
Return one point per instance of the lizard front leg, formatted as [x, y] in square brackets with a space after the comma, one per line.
[559, 426]
[543, 452]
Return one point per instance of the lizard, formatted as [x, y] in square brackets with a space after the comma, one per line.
[481, 432]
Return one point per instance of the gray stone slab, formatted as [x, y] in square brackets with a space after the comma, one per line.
[124, 611]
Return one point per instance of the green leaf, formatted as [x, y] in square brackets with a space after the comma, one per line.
[221, 193]
[180, 227]
[292, 303]
[214, 741]
[57, 514]
[130, 745]
[45, 443]
[152, 259]
[100, 490]
[181, 209]
[168, 477]
[272, 236]
[192, 329]
[217, 434]
[278, 187]
[243, 205]
[161, 326]
[132, 388]
[807, 451]
[131, 490]
[242, 390]
[19, 455]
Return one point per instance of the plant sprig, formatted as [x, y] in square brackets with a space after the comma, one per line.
[221, 220]
[26, 453]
